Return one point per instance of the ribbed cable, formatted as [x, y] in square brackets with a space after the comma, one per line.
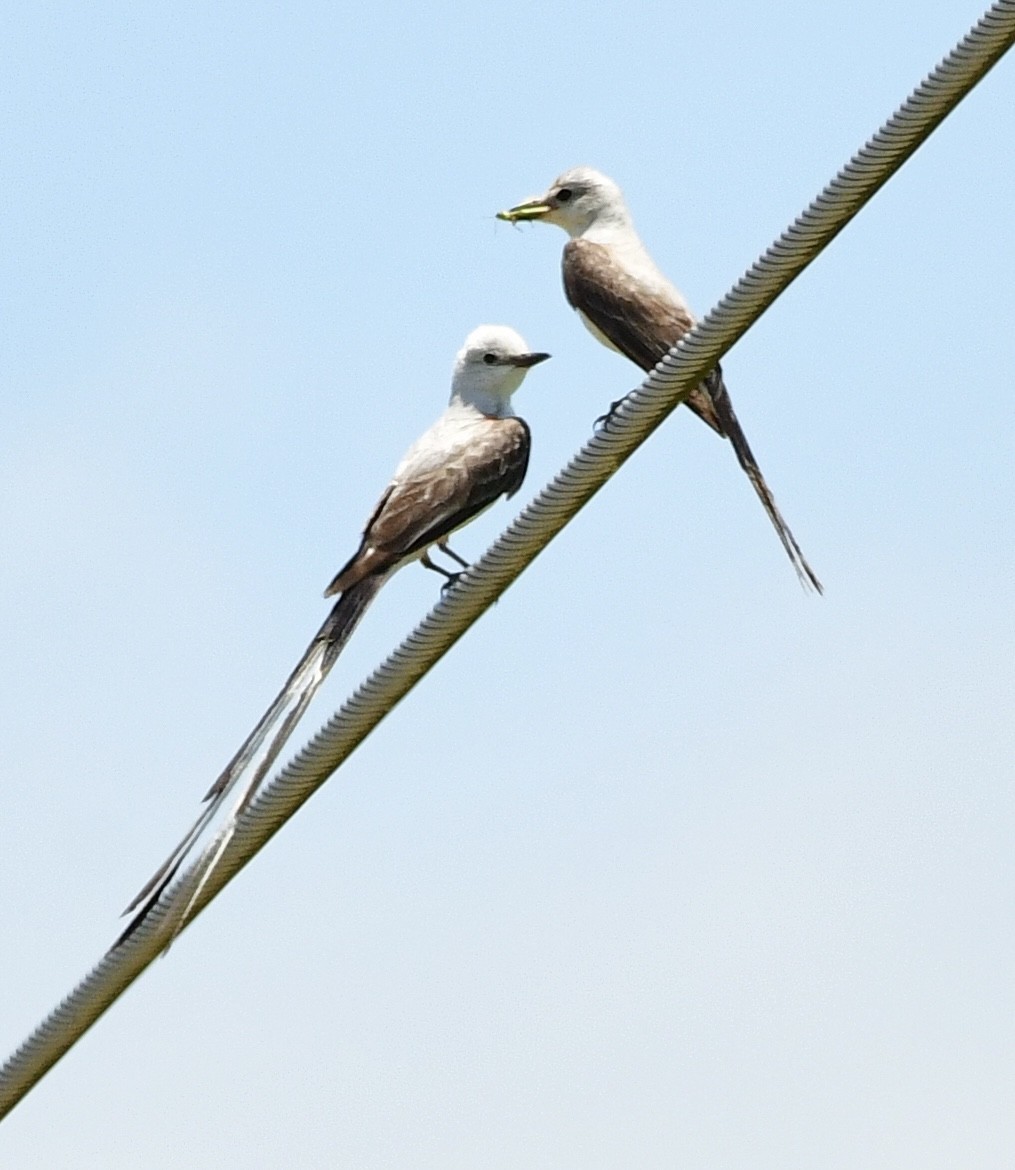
[642, 412]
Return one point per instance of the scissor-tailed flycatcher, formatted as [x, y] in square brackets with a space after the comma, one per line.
[477, 451]
[627, 304]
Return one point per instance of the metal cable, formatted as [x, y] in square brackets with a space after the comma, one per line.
[572, 488]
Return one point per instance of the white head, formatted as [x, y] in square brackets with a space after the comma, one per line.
[490, 367]
[575, 201]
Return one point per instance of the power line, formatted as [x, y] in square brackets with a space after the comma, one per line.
[572, 488]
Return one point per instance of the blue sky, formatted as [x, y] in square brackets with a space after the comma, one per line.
[667, 863]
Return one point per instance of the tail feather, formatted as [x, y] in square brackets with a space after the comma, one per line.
[277, 723]
[733, 431]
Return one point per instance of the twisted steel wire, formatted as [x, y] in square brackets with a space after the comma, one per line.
[643, 411]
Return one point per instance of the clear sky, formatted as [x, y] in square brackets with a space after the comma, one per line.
[667, 864]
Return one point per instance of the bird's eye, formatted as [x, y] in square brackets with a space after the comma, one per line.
[490, 359]
[564, 195]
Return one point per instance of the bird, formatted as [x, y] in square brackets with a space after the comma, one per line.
[476, 452]
[627, 304]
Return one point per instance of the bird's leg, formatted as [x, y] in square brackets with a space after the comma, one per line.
[425, 561]
[448, 551]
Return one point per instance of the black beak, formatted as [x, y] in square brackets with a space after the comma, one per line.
[526, 360]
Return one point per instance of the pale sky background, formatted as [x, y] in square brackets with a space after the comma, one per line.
[667, 864]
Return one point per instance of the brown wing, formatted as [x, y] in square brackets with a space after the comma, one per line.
[642, 325]
[425, 508]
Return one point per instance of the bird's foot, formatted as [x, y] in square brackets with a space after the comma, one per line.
[602, 423]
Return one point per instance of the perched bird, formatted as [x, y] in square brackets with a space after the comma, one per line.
[628, 304]
[477, 451]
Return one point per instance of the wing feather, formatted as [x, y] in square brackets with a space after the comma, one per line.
[429, 504]
[642, 324]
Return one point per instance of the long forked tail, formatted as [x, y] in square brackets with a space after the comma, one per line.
[733, 431]
[275, 726]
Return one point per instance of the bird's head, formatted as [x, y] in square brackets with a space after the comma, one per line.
[574, 201]
[490, 367]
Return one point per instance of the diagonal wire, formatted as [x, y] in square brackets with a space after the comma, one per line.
[643, 411]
